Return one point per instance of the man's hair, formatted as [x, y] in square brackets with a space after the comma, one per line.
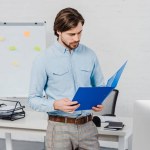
[67, 19]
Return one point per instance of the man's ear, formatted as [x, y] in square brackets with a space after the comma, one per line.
[59, 33]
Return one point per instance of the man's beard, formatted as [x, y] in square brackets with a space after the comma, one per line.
[70, 46]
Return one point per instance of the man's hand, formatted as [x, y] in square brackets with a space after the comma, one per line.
[97, 108]
[65, 105]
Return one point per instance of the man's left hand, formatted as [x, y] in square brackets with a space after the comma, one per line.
[97, 108]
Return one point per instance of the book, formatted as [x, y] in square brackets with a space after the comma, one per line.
[114, 125]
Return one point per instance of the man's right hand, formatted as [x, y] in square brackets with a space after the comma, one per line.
[66, 105]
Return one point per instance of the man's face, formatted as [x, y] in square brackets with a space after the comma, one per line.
[71, 38]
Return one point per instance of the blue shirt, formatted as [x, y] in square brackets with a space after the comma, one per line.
[59, 74]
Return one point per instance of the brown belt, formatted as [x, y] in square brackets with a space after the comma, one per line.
[80, 120]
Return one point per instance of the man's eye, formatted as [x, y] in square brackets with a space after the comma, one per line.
[71, 34]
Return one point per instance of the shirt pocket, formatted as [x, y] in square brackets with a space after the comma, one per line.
[59, 72]
[85, 73]
[85, 70]
[59, 75]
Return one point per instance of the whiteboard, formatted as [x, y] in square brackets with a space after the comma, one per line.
[20, 43]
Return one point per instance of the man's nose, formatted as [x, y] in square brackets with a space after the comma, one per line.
[76, 38]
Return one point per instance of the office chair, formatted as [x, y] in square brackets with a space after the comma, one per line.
[109, 104]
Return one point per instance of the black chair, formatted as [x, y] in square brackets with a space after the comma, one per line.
[109, 104]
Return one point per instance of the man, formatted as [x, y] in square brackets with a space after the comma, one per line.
[60, 71]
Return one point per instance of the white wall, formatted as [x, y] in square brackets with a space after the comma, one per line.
[117, 30]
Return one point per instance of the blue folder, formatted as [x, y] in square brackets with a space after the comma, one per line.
[88, 97]
[113, 81]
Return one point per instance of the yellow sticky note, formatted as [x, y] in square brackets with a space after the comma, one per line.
[37, 48]
[12, 48]
[15, 64]
[2, 38]
[26, 33]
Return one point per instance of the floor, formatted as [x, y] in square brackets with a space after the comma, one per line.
[25, 145]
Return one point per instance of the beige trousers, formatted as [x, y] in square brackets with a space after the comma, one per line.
[65, 136]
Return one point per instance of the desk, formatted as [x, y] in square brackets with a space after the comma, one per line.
[120, 136]
[36, 123]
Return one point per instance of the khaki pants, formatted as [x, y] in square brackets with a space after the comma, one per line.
[66, 136]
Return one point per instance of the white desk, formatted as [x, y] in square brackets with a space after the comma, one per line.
[123, 136]
[36, 123]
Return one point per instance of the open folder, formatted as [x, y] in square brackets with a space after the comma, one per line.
[88, 97]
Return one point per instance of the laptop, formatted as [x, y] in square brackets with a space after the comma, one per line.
[88, 97]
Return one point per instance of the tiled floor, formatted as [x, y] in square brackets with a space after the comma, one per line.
[25, 145]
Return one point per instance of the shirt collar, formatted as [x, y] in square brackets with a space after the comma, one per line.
[62, 48]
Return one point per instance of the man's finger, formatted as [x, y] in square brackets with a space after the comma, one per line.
[96, 108]
[72, 108]
[100, 106]
[70, 103]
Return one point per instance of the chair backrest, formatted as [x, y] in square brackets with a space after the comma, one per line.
[109, 104]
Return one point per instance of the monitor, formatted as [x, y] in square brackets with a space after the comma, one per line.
[141, 125]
